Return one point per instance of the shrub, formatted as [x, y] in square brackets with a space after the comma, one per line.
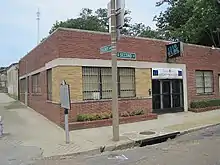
[83, 117]
[204, 103]
[106, 115]
[92, 117]
[125, 114]
[139, 112]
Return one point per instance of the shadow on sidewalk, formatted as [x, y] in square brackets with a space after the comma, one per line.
[15, 105]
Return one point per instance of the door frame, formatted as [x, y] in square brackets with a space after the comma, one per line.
[171, 109]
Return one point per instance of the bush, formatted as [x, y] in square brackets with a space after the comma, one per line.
[106, 115]
[139, 112]
[204, 103]
[92, 117]
[125, 114]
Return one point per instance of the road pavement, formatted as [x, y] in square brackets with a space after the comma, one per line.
[197, 148]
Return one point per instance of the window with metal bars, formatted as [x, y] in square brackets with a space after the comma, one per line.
[22, 85]
[204, 82]
[97, 83]
[36, 83]
[49, 84]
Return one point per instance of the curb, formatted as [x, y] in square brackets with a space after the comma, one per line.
[197, 129]
[122, 146]
[126, 145]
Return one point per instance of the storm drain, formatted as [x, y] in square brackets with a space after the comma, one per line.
[147, 133]
[156, 140]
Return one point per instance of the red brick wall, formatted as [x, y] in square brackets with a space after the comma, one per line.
[39, 101]
[105, 106]
[86, 45]
[72, 44]
[40, 55]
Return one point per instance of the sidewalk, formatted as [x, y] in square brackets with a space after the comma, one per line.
[26, 127]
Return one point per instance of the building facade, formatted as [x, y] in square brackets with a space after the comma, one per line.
[149, 82]
[12, 79]
[3, 80]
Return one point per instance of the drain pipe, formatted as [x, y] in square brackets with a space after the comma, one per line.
[1, 127]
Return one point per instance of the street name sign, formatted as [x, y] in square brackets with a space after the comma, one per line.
[126, 55]
[106, 49]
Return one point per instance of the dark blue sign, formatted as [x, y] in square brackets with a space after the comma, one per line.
[173, 50]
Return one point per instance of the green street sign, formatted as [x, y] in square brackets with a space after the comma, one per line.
[106, 49]
[126, 55]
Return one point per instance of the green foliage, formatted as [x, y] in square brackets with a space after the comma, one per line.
[98, 21]
[92, 117]
[106, 115]
[205, 103]
[190, 21]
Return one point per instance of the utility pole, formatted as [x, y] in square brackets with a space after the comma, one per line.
[115, 115]
[38, 25]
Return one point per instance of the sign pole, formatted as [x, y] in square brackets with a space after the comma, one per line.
[115, 122]
[66, 126]
[65, 103]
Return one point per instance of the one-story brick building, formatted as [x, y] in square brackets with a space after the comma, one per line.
[74, 56]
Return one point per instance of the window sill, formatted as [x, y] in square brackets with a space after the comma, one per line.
[119, 99]
[36, 94]
[204, 94]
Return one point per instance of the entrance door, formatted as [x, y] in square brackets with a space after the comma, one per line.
[167, 96]
[166, 93]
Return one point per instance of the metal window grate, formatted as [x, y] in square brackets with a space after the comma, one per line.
[204, 82]
[49, 84]
[36, 83]
[97, 83]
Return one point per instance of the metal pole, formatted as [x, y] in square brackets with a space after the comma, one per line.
[115, 121]
[38, 26]
[66, 126]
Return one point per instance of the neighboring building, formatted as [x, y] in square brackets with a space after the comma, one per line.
[12, 79]
[148, 83]
[3, 80]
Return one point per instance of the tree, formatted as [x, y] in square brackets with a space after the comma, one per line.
[98, 21]
[190, 21]
[88, 20]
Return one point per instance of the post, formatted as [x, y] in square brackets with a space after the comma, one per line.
[66, 104]
[66, 126]
[115, 122]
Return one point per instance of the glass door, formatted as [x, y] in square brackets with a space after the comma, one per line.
[166, 93]
[156, 96]
[177, 94]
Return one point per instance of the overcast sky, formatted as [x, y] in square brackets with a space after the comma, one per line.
[18, 25]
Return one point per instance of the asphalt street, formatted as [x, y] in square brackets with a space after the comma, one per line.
[197, 148]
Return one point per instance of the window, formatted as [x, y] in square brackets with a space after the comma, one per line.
[22, 85]
[36, 83]
[204, 82]
[49, 84]
[97, 83]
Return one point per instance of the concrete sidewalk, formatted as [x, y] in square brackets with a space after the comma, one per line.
[24, 126]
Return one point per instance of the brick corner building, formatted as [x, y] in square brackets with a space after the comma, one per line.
[73, 55]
